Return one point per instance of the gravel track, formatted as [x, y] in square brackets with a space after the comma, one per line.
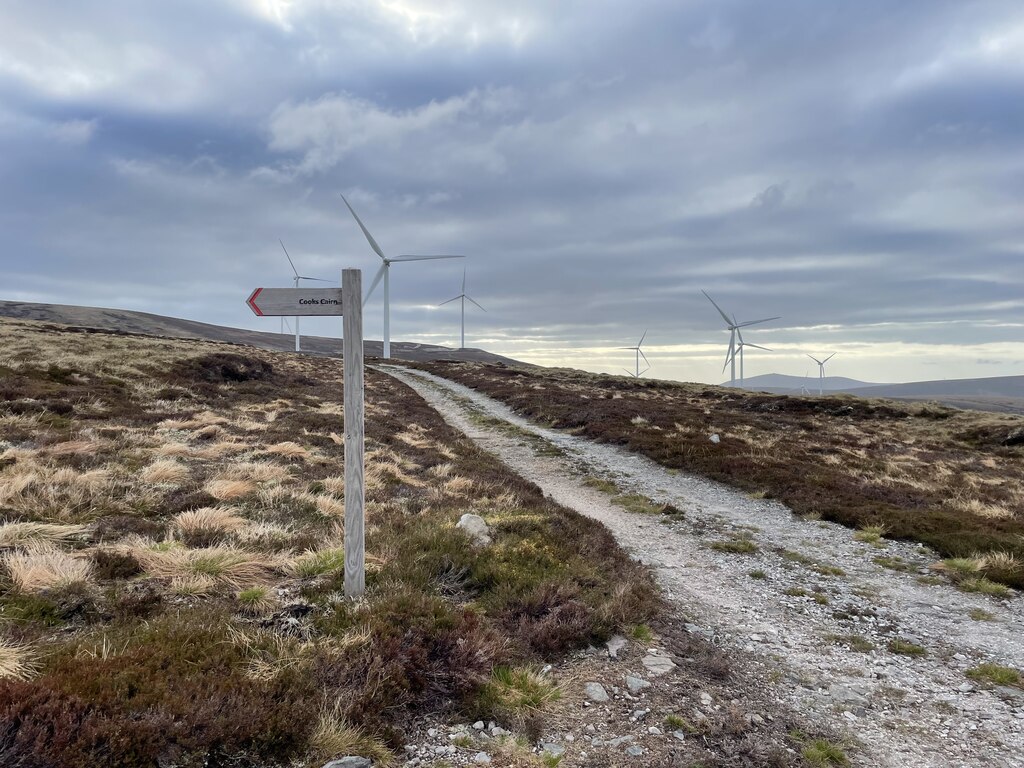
[903, 710]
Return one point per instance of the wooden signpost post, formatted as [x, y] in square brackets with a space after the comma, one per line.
[347, 302]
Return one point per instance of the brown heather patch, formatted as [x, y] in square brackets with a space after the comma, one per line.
[926, 473]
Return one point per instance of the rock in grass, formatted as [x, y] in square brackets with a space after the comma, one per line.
[349, 762]
[616, 644]
[1016, 437]
[715, 439]
[553, 749]
[482, 758]
[476, 527]
[657, 664]
[596, 692]
[636, 684]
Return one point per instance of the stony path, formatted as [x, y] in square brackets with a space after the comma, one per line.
[819, 610]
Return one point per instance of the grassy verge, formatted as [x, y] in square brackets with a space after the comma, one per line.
[916, 472]
[171, 561]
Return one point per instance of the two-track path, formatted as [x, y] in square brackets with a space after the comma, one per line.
[798, 615]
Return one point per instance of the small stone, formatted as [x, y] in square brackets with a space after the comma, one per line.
[616, 644]
[618, 742]
[715, 438]
[478, 725]
[757, 719]
[634, 751]
[349, 762]
[476, 527]
[590, 728]
[657, 664]
[654, 730]
[679, 735]
[553, 749]
[596, 692]
[636, 684]
[432, 732]
[705, 699]
[481, 758]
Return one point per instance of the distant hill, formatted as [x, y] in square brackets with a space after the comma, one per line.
[128, 321]
[779, 382]
[1004, 394]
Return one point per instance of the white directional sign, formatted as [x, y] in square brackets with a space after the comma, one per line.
[293, 302]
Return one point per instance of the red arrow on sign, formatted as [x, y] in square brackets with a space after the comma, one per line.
[251, 301]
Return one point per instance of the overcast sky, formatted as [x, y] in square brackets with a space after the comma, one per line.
[855, 167]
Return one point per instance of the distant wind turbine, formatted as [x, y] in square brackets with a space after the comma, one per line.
[639, 353]
[298, 345]
[821, 371]
[464, 297]
[733, 327]
[741, 345]
[385, 272]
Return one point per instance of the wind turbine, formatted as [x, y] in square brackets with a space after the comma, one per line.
[298, 345]
[821, 371]
[733, 327]
[743, 344]
[462, 296]
[385, 272]
[639, 354]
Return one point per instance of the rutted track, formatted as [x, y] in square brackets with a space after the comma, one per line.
[904, 710]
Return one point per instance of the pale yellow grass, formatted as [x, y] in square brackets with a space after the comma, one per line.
[165, 472]
[289, 450]
[204, 419]
[42, 566]
[257, 471]
[991, 511]
[330, 506]
[229, 490]
[74, 448]
[335, 485]
[219, 449]
[17, 661]
[23, 534]
[207, 519]
[172, 449]
[335, 737]
[228, 565]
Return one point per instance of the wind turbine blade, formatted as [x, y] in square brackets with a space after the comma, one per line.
[407, 257]
[464, 283]
[369, 237]
[729, 355]
[315, 279]
[641, 342]
[476, 303]
[819, 362]
[828, 358]
[755, 322]
[449, 301]
[645, 370]
[376, 281]
[644, 357]
[630, 373]
[725, 317]
[755, 346]
[289, 258]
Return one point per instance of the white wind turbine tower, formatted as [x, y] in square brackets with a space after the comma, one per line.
[463, 296]
[733, 327]
[821, 371]
[385, 272]
[639, 354]
[743, 344]
[298, 277]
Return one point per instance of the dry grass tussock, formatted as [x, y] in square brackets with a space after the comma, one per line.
[42, 566]
[335, 737]
[63, 493]
[289, 450]
[17, 661]
[257, 471]
[165, 472]
[227, 565]
[230, 490]
[75, 448]
[26, 534]
[207, 519]
[198, 421]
